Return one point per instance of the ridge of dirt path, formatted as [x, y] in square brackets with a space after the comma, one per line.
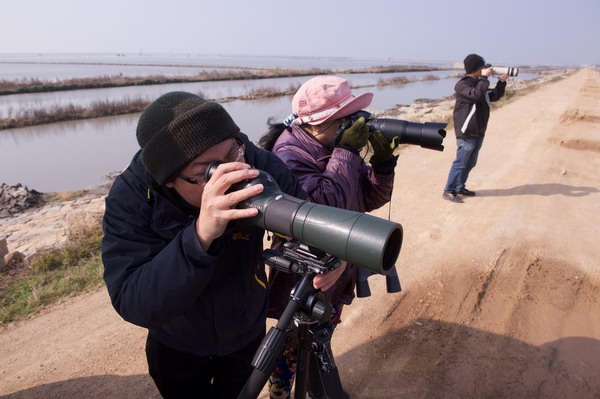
[501, 293]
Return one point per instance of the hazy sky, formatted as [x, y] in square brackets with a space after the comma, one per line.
[508, 31]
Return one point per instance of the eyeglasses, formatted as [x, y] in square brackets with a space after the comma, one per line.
[235, 155]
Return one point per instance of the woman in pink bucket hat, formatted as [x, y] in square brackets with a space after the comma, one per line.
[326, 159]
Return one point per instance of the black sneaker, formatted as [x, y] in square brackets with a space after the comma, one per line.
[452, 197]
[464, 191]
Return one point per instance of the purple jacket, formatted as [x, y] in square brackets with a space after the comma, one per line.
[339, 178]
[336, 178]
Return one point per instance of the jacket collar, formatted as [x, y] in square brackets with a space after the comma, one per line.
[169, 210]
[307, 142]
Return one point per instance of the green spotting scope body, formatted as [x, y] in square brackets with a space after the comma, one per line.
[363, 240]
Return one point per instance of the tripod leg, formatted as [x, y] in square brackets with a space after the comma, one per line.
[329, 380]
[269, 351]
[315, 389]
[332, 386]
[302, 368]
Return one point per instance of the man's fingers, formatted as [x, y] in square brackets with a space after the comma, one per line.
[327, 280]
[232, 199]
[233, 214]
[231, 173]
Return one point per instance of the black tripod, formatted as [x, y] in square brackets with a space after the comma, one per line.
[309, 312]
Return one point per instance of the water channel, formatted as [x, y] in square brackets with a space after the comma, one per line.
[11, 105]
[65, 66]
[78, 154]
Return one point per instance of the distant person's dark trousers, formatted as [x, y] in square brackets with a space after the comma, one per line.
[466, 158]
[185, 375]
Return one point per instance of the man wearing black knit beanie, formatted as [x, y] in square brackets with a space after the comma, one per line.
[471, 115]
[177, 259]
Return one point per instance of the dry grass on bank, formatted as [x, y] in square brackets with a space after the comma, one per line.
[52, 276]
[34, 85]
[396, 80]
[43, 85]
[111, 108]
[402, 80]
[265, 92]
[31, 117]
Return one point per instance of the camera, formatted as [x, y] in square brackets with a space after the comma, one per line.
[498, 70]
[364, 240]
[428, 135]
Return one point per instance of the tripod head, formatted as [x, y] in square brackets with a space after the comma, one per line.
[300, 258]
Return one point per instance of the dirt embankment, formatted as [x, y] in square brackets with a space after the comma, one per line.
[501, 293]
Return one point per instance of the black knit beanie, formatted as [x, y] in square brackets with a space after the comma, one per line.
[473, 62]
[176, 128]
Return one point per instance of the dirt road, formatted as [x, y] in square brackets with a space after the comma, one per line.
[501, 293]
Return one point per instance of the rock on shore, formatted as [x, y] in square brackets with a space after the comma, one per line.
[16, 199]
[50, 226]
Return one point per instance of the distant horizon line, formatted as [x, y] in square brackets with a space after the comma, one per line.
[226, 55]
[141, 53]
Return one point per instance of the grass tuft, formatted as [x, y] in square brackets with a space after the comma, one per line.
[51, 276]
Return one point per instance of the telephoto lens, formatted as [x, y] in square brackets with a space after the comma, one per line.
[510, 71]
[500, 70]
[428, 135]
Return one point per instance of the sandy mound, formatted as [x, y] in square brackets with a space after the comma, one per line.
[484, 352]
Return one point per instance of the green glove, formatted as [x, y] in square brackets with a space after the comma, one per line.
[382, 148]
[356, 136]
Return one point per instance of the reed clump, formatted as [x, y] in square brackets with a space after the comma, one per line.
[264, 92]
[396, 80]
[430, 77]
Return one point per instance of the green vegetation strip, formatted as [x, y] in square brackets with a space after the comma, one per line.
[76, 268]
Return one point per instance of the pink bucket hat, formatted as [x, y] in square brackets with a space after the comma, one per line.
[324, 98]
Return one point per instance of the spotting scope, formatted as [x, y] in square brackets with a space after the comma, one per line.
[364, 240]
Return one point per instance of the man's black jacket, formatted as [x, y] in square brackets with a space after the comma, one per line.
[159, 277]
[472, 108]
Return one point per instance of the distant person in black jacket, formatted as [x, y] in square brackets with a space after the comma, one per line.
[471, 115]
[179, 258]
